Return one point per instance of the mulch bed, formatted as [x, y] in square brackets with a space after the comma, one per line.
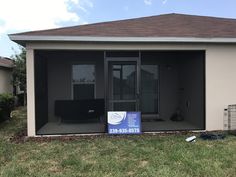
[21, 137]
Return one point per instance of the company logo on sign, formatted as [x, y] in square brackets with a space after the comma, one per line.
[116, 118]
[121, 122]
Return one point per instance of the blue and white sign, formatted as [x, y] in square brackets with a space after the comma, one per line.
[122, 122]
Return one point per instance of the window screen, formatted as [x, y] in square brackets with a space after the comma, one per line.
[83, 81]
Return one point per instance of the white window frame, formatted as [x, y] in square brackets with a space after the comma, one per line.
[76, 83]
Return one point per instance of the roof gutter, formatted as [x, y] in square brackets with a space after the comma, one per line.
[48, 38]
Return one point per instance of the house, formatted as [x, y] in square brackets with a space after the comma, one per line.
[178, 70]
[6, 66]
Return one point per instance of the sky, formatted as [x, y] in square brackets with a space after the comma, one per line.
[27, 15]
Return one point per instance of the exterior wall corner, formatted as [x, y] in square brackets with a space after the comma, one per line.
[31, 131]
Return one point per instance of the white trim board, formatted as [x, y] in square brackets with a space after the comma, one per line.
[25, 38]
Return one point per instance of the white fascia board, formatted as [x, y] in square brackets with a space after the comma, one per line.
[25, 38]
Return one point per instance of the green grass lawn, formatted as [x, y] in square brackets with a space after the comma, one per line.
[144, 155]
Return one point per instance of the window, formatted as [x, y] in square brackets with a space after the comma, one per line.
[83, 81]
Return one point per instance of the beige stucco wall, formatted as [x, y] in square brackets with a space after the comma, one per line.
[219, 67]
[6, 80]
[220, 83]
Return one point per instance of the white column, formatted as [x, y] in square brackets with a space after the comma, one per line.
[30, 93]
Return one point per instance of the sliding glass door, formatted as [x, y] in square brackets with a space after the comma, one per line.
[123, 87]
[133, 86]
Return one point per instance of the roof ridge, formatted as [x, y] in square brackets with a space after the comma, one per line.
[208, 16]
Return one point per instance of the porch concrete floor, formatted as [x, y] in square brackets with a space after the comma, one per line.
[62, 128]
[167, 125]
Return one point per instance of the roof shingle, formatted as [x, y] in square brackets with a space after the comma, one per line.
[168, 25]
[6, 62]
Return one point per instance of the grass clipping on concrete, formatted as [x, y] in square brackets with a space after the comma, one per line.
[104, 156]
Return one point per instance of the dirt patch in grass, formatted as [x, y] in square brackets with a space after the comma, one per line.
[19, 137]
[143, 163]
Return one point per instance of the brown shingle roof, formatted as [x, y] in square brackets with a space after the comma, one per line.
[6, 62]
[169, 25]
